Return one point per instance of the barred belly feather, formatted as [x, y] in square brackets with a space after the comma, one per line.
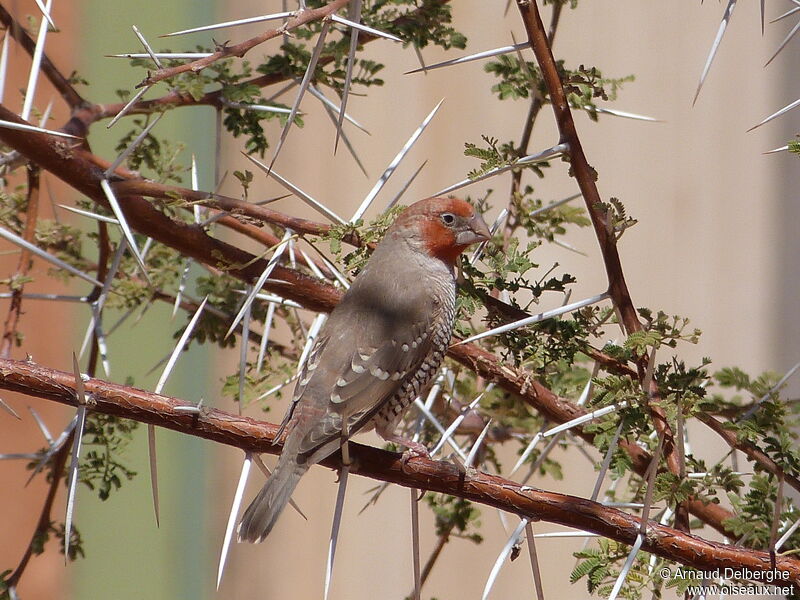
[389, 415]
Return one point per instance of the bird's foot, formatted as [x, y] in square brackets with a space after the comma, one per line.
[413, 449]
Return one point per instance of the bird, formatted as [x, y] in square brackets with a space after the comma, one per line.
[380, 346]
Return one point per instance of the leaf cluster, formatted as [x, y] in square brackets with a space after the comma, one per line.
[101, 468]
[601, 566]
[493, 157]
[368, 235]
[455, 517]
[755, 510]
[158, 156]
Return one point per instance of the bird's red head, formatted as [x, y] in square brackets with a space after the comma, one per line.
[444, 227]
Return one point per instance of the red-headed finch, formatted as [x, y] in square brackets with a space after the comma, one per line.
[380, 346]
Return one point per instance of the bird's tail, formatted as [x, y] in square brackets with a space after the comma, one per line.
[264, 511]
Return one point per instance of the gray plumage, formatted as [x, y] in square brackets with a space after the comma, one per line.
[380, 346]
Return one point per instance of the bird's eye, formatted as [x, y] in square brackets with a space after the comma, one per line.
[448, 219]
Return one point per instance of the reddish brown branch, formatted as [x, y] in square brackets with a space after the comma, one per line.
[750, 450]
[268, 239]
[560, 410]
[437, 476]
[24, 265]
[152, 189]
[614, 365]
[79, 168]
[582, 170]
[586, 177]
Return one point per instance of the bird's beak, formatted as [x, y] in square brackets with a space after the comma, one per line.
[478, 231]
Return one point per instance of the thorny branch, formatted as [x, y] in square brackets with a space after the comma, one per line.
[586, 177]
[302, 18]
[436, 476]
[79, 170]
[56, 473]
[748, 449]
[85, 113]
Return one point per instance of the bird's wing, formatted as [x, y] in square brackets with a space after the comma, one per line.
[354, 374]
[303, 378]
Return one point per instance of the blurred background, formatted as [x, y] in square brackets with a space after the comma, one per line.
[716, 242]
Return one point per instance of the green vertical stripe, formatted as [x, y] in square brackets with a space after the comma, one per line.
[126, 555]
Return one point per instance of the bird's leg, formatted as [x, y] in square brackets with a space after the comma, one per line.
[347, 461]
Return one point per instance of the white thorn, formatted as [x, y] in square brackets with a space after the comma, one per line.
[542, 156]
[15, 239]
[471, 57]
[235, 505]
[167, 55]
[24, 127]
[337, 520]
[128, 106]
[274, 16]
[595, 414]
[393, 165]
[123, 223]
[536, 318]
[36, 62]
[512, 540]
[726, 17]
[318, 206]
[364, 28]
[131, 147]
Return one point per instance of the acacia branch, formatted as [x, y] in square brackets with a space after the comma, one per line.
[59, 461]
[560, 410]
[750, 450]
[586, 176]
[584, 173]
[85, 113]
[436, 476]
[79, 169]
[234, 206]
[303, 17]
[214, 98]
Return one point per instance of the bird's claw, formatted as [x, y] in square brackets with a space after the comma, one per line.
[413, 450]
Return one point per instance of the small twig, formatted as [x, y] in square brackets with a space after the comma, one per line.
[437, 551]
[24, 264]
[303, 18]
[104, 255]
[749, 449]
[43, 525]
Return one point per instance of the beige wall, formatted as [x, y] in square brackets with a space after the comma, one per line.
[710, 243]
